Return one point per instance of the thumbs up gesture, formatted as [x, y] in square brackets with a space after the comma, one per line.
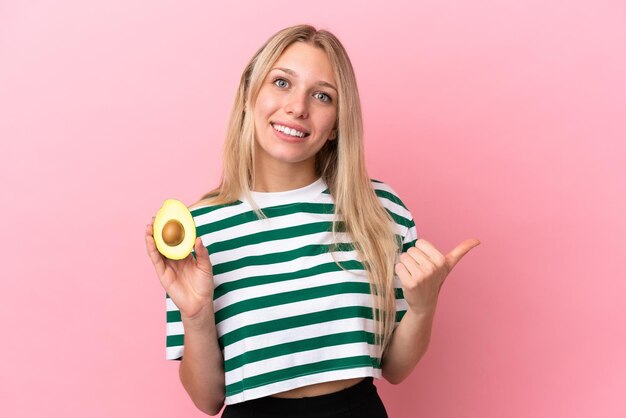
[422, 269]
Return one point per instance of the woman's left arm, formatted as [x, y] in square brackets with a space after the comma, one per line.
[422, 269]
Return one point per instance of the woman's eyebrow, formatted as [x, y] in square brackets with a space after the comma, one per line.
[294, 74]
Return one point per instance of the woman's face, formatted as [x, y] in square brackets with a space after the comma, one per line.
[295, 111]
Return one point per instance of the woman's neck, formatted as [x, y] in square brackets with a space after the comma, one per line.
[280, 183]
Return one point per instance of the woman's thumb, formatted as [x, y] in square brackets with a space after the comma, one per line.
[202, 256]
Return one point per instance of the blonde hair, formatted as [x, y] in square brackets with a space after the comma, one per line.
[340, 163]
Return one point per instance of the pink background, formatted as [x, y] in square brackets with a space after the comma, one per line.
[503, 121]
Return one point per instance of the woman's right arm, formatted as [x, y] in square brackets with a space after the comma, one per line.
[202, 368]
[189, 282]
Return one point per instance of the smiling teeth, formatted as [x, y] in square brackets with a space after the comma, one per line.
[289, 131]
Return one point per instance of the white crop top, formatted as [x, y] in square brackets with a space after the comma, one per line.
[286, 315]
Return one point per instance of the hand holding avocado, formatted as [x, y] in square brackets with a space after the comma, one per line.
[170, 238]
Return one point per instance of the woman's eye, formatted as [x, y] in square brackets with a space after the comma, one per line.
[322, 96]
[281, 83]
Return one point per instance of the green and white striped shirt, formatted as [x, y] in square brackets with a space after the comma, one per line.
[286, 315]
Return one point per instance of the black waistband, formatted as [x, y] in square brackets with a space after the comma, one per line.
[345, 399]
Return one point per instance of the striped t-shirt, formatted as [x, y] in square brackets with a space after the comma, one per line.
[286, 315]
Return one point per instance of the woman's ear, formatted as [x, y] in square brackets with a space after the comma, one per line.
[333, 135]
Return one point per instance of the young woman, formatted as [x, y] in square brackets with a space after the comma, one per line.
[307, 279]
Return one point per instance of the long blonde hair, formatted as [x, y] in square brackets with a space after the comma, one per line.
[340, 163]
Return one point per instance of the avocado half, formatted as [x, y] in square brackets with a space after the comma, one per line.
[174, 230]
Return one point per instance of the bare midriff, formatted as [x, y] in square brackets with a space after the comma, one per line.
[318, 389]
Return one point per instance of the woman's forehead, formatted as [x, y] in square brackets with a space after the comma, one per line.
[307, 61]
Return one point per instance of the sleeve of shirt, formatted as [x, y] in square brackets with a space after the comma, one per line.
[409, 239]
[406, 230]
[175, 333]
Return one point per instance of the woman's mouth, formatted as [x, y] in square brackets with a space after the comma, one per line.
[289, 131]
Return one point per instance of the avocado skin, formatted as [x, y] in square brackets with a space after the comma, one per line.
[173, 209]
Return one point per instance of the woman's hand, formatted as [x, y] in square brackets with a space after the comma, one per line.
[189, 282]
[422, 270]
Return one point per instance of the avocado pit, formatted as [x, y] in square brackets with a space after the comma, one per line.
[173, 232]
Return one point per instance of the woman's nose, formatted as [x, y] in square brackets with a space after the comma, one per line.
[297, 105]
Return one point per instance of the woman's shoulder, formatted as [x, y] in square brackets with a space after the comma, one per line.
[400, 213]
[209, 204]
[386, 193]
